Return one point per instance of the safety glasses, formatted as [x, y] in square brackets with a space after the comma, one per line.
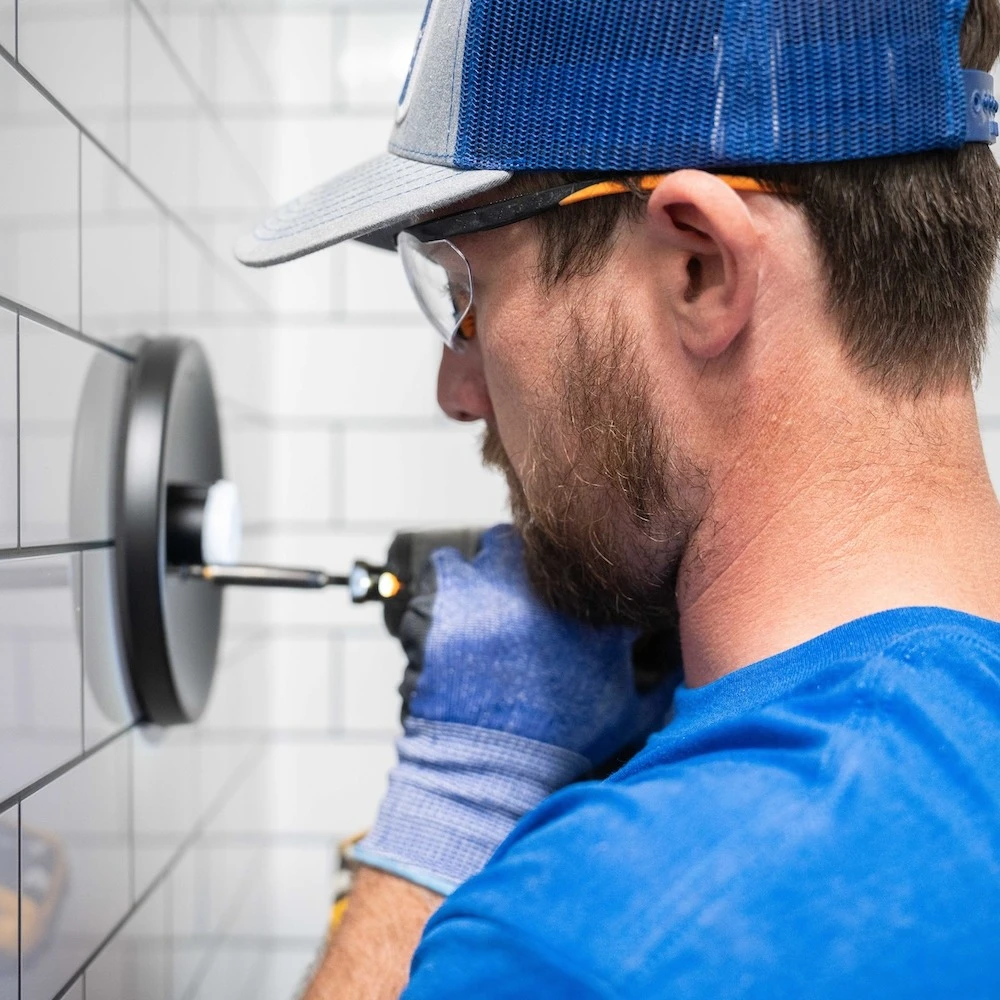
[439, 273]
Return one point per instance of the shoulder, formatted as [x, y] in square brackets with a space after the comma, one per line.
[804, 836]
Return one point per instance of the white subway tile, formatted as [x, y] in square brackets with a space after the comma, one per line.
[163, 155]
[309, 150]
[39, 202]
[228, 967]
[78, 52]
[239, 700]
[376, 286]
[345, 371]
[108, 703]
[413, 478]
[185, 287]
[8, 429]
[166, 796]
[8, 24]
[246, 450]
[84, 815]
[156, 84]
[122, 252]
[290, 895]
[134, 964]
[377, 48]
[312, 286]
[283, 475]
[224, 764]
[226, 182]
[241, 359]
[302, 475]
[190, 35]
[9, 916]
[372, 671]
[70, 391]
[251, 130]
[324, 789]
[299, 689]
[284, 971]
[279, 684]
[300, 58]
[188, 900]
[40, 670]
[242, 48]
[232, 867]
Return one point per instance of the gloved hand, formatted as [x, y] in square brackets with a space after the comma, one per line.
[508, 701]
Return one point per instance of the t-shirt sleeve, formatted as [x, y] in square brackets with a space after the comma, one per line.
[475, 957]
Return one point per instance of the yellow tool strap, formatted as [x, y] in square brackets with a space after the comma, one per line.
[346, 867]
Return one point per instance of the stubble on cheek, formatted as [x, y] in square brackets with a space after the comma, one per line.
[598, 500]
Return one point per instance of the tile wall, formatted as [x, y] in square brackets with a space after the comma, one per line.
[141, 137]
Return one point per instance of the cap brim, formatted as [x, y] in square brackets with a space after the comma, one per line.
[372, 202]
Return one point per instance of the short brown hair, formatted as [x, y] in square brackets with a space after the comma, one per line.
[909, 243]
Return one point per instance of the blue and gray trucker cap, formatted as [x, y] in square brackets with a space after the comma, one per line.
[643, 86]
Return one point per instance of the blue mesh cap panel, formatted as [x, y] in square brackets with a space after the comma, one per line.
[639, 85]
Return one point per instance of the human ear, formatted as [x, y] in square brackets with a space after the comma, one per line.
[711, 259]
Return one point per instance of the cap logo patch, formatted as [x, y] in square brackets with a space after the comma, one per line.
[415, 64]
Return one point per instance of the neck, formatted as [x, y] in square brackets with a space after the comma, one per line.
[848, 519]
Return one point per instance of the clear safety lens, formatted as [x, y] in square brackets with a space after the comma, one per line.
[441, 280]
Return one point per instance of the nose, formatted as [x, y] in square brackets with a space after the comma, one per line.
[461, 390]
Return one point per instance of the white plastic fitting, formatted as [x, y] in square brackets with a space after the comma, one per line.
[222, 525]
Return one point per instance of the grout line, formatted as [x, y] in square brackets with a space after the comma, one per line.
[338, 683]
[168, 937]
[224, 932]
[83, 653]
[20, 916]
[202, 100]
[70, 985]
[17, 394]
[79, 229]
[157, 201]
[59, 327]
[249, 53]
[17, 30]
[37, 786]
[131, 821]
[128, 79]
[185, 845]
[67, 548]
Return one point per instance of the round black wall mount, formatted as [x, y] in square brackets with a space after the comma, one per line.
[170, 438]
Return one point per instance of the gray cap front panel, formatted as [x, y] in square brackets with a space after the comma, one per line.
[427, 121]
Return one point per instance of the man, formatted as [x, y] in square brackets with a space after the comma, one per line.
[714, 276]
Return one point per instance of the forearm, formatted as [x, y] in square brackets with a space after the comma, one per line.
[369, 955]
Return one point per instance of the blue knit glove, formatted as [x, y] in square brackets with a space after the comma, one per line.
[512, 702]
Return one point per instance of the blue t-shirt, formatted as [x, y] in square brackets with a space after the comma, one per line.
[825, 823]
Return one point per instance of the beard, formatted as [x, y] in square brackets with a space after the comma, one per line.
[604, 504]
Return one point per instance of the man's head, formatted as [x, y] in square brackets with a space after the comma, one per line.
[634, 353]
[640, 355]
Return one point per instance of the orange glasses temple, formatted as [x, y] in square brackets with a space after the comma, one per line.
[467, 328]
[650, 181]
